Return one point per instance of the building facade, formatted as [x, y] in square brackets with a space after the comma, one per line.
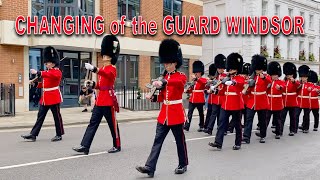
[300, 49]
[138, 62]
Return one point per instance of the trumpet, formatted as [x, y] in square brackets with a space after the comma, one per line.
[154, 90]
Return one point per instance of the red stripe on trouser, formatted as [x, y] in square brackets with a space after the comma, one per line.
[184, 146]
[60, 120]
[115, 127]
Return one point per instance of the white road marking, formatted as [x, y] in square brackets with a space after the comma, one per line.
[49, 161]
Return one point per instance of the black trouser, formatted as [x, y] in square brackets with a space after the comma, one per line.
[306, 118]
[232, 122]
[262, 122]
[161, 133]
[209, 112]
[43, 110]
[224, 121]
[276, 120]
[215, 114]
[192, 106]
[292, 115]
[315, 113]
[98, 113]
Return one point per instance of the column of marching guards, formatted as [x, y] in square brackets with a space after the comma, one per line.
[235, 89]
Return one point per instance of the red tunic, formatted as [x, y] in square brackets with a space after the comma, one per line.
[232, 95]
[258, 99]
[172, 111]
[314, 100]
[290, 93]
[197, 94]
[303, 95]
[106, 78]
[50, 84]
[275, 95]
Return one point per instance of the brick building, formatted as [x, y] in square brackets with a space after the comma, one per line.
[137, 64]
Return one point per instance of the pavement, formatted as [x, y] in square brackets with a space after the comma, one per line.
[291, 158]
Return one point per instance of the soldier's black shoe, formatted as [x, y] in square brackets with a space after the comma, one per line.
[300, 127]
[208, 131]
[273, 126]
[274, 131]
[56, 138]
[200, 129]
[305, 131]
[114, 150]
[29, 137]
[218, 146]
[315, 129]
[258, 128]
[180, 169]
[291, 134]
[225, 133]
[235, 147]
[145, 170]
[186, 127]
[81, 149]
[262, 140]
[258, 134]
[277, 137]
[246, 140]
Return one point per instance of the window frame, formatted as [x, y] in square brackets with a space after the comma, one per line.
[119, 13]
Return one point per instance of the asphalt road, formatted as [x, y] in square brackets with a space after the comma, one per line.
[291, 158]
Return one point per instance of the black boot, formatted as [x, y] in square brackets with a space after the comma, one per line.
[114, 150]
[180, 169]
[245, 140]
[218, 146]
[235, 147]
[145, 170]
[81, 149]
[29, 137]
[186, 126]
[56, 138]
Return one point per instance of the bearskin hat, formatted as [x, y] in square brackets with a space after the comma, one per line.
[212, 70]
[274, 68]
[246, 68]
[234, 61]
[50, 54]
[110, 46]
[170, 52]
[220, 61]
[313, 77]
[303, 71]
[198, 66]
[290, 69]
[259, 62]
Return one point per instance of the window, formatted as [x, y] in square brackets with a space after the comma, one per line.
[277, 10]
[290, 12]
[129, 8]
[310, 48]
[173, 8]
[264, 8]
[156, 68]
[276, 41]
[302, 14]
[62, 8]
[289, 49]
[263, 40]
[185, 67]
[311, 22]
[301, 45]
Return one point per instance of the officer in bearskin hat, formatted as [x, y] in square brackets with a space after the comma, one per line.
[314, 101]
[303, 98]
[51, 96]
[216, 99]
[275, 90]
[232, 104]
[196, 99]
[106, 102]
[172, 115]
[290, 96]
[258, 99]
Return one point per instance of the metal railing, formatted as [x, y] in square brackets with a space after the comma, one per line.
[7, 100]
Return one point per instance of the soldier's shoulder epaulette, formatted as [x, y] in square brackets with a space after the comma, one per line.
[182, 73]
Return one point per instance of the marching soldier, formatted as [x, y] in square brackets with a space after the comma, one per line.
[172, 115]
[275, 97]
[106, 102]
[303, 98]
[314, 100]
[51, 96]
[258, 99]
[232, 104]
[220, 64]
[290, 96]
[197, 99]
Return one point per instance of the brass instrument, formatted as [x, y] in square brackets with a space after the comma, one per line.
[154, 90]
[88, 80]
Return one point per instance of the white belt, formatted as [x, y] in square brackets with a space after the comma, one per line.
[303, 97]
[51, 89]
[314, 98]
[197, 90]
[276, 95]
[231, 93]
[166, 102]
[259, 93]
[288, 94]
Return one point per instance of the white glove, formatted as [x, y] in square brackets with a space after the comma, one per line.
[212, 88]
[228, 83]
[88, 66]
[33, 71]
[157, 84]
